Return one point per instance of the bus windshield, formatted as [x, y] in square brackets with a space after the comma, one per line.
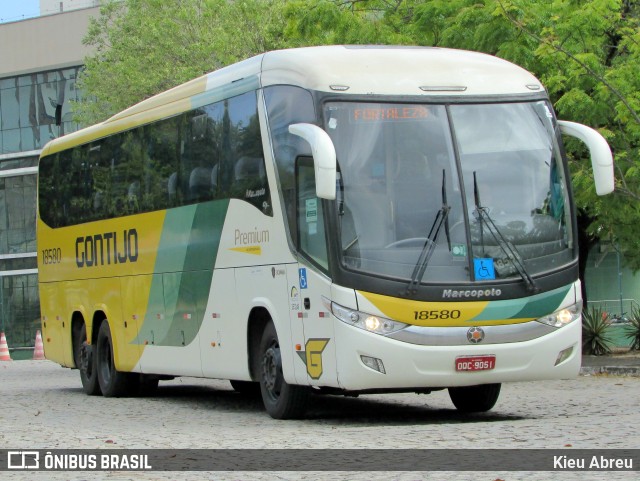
[450, 193]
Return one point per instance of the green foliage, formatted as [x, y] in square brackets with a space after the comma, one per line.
[143, 47]
[632, 330]
[586, 53]
[596, 339]
[326, 22]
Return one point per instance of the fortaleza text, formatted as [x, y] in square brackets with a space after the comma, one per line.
[595, 462]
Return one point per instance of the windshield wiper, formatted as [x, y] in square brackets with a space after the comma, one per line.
[507, 247]
[446, 206]
[442, 217]
[341, 214]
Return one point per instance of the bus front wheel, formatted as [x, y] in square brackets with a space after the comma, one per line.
[281, 399]
[475, 399]
[113, 383]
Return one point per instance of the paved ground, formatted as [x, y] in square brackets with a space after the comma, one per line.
[624, 363]
[42, 407]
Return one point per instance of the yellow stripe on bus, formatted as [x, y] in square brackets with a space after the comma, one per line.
[438, 314]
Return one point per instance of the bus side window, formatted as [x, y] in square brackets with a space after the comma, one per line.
[54, 189]
[199, 154]
[200, 184]
[250, 182]
[80, 205]
[242, 171]
[214, 180]
[161, 164]
[311, 234]
[288, 105]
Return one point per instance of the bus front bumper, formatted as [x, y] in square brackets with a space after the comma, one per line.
[367, 361]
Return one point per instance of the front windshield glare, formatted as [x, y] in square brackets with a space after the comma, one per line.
[400, 193]
[513, 174]
[397, 169]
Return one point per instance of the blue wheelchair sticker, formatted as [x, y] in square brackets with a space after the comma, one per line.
[484, 269]
[303, 277]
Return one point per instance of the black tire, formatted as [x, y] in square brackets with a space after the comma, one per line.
[475, 399]
[113, 383]
[281, 399]
[84, 357]
[248, 388]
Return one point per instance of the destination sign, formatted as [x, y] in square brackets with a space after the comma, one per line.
[390, 113]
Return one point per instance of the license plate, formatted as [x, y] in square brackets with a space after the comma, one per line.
[475, 363]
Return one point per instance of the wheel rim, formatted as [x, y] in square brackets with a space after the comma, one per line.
[272, 371]
[104, 360]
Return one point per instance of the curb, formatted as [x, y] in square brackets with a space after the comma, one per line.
[610, 370]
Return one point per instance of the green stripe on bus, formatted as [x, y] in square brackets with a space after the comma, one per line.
[528, 307]
[174, 240]
[184, 270]
[544, 304]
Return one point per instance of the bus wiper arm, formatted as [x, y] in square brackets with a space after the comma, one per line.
[429, 246]
[445, 205]
[507, 247]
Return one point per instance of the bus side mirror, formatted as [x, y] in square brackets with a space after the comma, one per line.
[601, 157]
[324, 158]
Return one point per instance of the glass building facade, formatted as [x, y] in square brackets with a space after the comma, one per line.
[34, 109]
[28, 108]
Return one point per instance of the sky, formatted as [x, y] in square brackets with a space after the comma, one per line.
[13, 10]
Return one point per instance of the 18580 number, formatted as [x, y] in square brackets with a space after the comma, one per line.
[434, 315]
[52, 256]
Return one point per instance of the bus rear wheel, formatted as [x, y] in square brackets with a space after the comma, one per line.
[475, 399]
[84, 356]
[113, 383]
[281, 399]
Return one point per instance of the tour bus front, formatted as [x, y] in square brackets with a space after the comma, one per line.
[456, 229]
[451, 242]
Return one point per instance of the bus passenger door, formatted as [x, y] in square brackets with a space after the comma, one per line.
[318, 351]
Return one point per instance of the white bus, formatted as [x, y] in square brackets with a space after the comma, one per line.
[337, 219]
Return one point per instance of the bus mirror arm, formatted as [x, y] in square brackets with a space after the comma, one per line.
[601, 157]
[324, 158]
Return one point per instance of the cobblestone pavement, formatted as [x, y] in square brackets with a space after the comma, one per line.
[43, 407]
[624, 363]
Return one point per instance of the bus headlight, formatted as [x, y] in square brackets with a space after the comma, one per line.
[368, 322]
[563, 316]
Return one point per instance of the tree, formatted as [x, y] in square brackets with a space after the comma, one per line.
[143, 47]
[327, 22]
[586, 53]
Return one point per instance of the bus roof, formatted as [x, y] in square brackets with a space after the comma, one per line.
[360, 70]
[394, 70]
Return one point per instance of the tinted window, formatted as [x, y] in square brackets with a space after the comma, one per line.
[214, 152]
[288, 105]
